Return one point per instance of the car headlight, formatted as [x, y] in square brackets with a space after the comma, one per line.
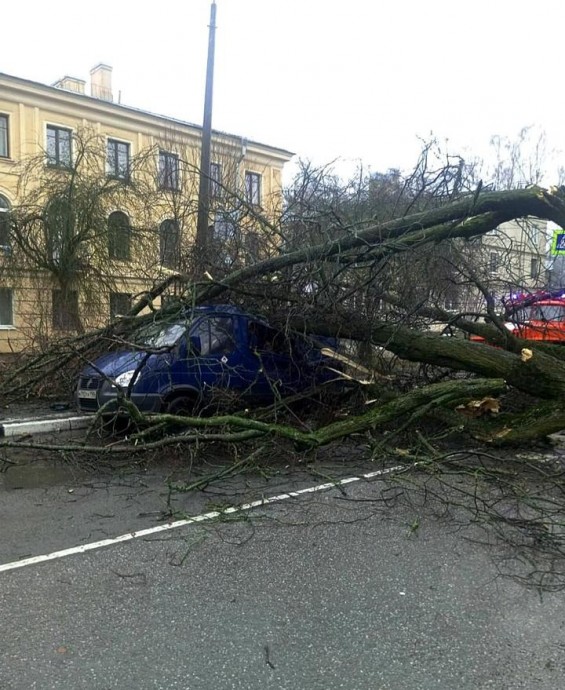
[123, 380]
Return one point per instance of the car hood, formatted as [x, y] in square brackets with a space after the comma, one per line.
[115, 363]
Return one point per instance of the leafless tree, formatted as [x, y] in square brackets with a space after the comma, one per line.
[78, 235]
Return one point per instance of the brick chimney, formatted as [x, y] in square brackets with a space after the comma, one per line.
[71, 84]
[101, 82]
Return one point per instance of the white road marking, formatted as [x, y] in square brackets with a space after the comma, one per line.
[204, 517]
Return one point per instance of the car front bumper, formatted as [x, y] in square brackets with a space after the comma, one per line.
[93, 393]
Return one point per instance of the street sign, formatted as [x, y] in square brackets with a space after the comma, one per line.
[558, 244]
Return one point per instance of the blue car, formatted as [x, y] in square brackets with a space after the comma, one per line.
[203, 354]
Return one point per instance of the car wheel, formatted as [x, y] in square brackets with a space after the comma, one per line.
[181, 405]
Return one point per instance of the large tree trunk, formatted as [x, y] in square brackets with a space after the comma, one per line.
[530, 370]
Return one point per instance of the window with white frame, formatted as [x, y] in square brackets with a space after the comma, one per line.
[119, 236]
[59, 228]
[120, 304]
[6, 307]
[215, 180]
[59, 146]
[118, 163]
[5, 240]
[493, 262]
[4, 137]
[168, 170]
[65, 310]
[169, 243]
[225, 229]
[253, 188]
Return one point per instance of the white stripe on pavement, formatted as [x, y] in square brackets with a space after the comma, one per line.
[204, 517]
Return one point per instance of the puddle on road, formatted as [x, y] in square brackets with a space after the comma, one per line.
[38, 475]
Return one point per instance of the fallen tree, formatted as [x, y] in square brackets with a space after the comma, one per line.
[441, 407]
[366, 250]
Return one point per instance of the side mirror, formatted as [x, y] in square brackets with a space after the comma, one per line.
[195, 345]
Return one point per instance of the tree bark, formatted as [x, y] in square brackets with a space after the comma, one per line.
[540, 375]
[417, 402]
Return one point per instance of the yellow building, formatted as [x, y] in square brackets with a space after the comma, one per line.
[136, 174]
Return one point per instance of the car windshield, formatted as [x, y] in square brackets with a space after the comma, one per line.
[158, 335]
[540, 312]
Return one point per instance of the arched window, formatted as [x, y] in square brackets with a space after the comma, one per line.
[119, 236]
[169, 243]
[4, 223]
[58, 227]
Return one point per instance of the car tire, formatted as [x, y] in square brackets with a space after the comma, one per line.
[181, 405]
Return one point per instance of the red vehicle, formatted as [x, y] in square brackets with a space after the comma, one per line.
[535, 316]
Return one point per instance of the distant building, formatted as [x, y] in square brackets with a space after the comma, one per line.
[516, 255]
[512, 258]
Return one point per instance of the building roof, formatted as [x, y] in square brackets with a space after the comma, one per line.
[126, 110]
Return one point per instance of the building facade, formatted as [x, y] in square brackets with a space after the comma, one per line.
[98, 201]
[516, 253]
[511, 259]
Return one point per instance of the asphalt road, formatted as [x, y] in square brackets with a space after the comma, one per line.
[331, 590]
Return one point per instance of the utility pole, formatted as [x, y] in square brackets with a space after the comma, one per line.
[204, 186]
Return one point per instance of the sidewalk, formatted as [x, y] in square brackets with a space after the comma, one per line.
[40, 416]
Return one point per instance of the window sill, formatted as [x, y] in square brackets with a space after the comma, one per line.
[61, 168]
[7, 328]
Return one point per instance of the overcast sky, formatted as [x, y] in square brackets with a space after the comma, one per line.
[357, 80]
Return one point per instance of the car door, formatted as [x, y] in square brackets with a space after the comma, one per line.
[213, 360]
[279, 370]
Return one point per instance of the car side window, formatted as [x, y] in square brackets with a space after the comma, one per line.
[265, 339]
[216, 335]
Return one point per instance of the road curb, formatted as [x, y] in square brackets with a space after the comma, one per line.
[42, 425]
